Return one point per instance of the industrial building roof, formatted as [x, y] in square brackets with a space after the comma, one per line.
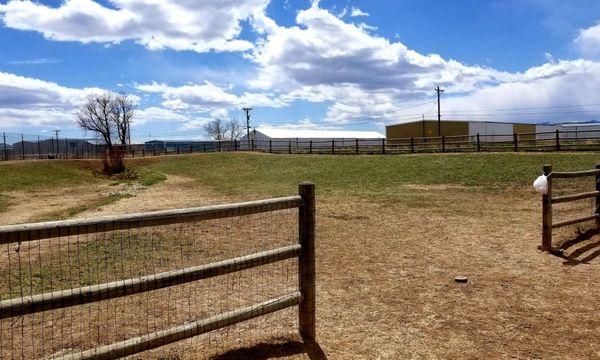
[278, 133]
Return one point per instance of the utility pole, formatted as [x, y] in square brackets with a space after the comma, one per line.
[247, 110]
[56, 131]
[439, 91]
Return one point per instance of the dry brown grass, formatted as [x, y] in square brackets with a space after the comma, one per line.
[386, 264]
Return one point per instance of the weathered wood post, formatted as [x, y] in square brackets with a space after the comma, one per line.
[219, 145]
[443, 144]
[557, 141]
[478, 143]
[412, 145]
[598, 197]
[270, 146]
[289, 147]
[547, 212]
[515, 143]
[5, 150]
[37, 147]
[306, 263]
[383, 146]
[22, 147]
[357, 150]
[333, 146]
[177, 149]
[310, 147]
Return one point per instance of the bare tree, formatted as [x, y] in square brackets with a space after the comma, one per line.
[234, 129]
[216, 129]
[109, 116]
[95, 115]
[122, 115]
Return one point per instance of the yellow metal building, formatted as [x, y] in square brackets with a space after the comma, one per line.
[429, 128]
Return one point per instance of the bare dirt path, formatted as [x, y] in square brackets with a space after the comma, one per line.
[386, 268]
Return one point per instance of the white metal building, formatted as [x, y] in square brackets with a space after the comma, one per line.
[277, 139]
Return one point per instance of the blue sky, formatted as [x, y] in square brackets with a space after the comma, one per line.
[355, 65]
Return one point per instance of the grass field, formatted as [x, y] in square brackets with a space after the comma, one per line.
[393, 232]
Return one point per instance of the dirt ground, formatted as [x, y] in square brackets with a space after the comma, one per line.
[386, 265]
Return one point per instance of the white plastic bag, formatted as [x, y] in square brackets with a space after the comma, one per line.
[541, 184]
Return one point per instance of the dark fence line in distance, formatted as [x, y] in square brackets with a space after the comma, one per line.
[52, 148]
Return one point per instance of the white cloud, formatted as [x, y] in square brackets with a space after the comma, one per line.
[180, 25]
[302, 124]
[588, 40]
[324, 50]
[29, 101]
[38, 61]
[207, 97]
[366, 77]
[358, 12]
[157, 114]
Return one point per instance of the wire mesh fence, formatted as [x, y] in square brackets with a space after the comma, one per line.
[105, 288]
[570, 208]
[21, 147]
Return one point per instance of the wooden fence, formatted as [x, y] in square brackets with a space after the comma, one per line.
[559, 140]
[548, 200]
[304, 250]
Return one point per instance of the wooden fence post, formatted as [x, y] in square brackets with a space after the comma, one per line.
[270, 145]
[22, 147]
[357, 147]
[306, 263]
[177, 149]
[515, 143]
[5, 150]
[557, 141]
[412, 145]
[547, 212]
[443, 144]
[252, 144]
[219, 145]
[478, 143]
[310, 146]
[37, 147]
[383, 146]
[333, 146]
[598, 197]
[289, 147]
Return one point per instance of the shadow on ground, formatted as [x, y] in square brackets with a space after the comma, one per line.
[581, 249]
[272, 351]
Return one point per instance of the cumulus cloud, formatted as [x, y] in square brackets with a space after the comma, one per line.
[180, 25]
[324, 49]
[356, 12]
[29, 101]
[588, 40]
[366, 77]
[207, 97]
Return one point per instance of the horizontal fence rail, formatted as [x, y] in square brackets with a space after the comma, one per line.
[303, 251]
[23, 147]
[161, 338]
[548, 200]
[52, 229]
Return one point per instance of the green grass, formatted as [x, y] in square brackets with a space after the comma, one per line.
[40, 175]
[279, 174]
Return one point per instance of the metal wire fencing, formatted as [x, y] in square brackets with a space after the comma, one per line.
[570, 208]
[188, 283]
[21, 147]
